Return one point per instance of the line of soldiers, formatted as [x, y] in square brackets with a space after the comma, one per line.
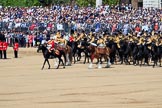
[4, 46]
[101, 40]
[144, 38]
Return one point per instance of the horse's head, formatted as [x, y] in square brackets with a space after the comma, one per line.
[42, 47]
[91, 48]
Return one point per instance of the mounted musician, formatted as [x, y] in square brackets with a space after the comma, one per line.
[80, 39]
[92, 39]
[101, 42]
[60, 41]
[101, 48]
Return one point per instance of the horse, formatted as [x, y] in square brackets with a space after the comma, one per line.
[128, 52]
[67, 50]
[122, 50]
[156, 54]
[78, 47]
[140, 54]
[134, 53]
[56, 54]
[98, 53]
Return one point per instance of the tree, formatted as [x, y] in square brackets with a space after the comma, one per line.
[49, 2]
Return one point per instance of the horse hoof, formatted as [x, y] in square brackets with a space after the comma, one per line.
[107, 66]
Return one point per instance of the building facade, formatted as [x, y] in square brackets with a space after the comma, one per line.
[147, 3]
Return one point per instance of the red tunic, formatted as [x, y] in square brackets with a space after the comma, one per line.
[53, 45]
[1, 45]
[16, 46]
[5, 45]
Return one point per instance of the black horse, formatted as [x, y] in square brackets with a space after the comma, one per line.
[56, 54]
[113, 46]
[156, 53]
[78, 50]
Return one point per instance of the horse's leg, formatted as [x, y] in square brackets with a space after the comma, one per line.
[44, 63]
[67, 59]
[121, 58]
[154, 63]
[79, 55]
[108, 62]
[91, 63]
[71, 56]
[74, 57]
[59, 62]
[99, 65]
[100, 59]
[62, 63]
[159, 60]
[48, 64]
[85, 57]
[64, 55]
[141, 62]
[88, 59]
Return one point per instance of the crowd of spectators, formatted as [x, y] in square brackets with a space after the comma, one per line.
[32, 25]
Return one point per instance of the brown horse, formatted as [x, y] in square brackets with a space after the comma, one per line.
[99, 53]
[67, 50]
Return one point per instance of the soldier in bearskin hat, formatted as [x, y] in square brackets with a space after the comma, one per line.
[16, 48]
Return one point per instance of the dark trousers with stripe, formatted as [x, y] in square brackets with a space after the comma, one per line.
[4, 54]
[16, 54]
[0, 54]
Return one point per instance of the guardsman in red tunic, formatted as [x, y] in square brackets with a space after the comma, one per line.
[16, 48]
[5, 45]
[1, 47]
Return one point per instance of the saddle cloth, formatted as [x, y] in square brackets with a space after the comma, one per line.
[101, 50]
[61, 47]
[57, 52]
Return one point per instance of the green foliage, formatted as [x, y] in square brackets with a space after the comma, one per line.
[29, 3]
[20, 3]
